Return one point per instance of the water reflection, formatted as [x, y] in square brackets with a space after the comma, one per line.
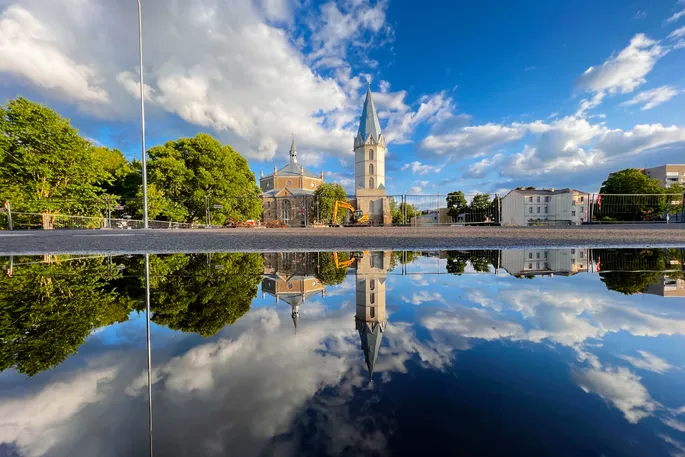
[523, 352]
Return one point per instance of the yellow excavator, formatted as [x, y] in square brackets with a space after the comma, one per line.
[346, 263]
[358, 217]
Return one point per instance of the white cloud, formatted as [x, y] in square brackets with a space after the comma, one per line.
[30, 49]
[648, 361]
[674, 424]
[620, 387]
[677, 33]
[483, 167]
[639, 139]
[680, 44]
[653, 97]
[472, 140]
[626, 71]
[418, 187]
[424, 297]
[675, 16]
[419, 168]
[402, 123]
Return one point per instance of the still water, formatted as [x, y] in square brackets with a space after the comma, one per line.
[570, 352]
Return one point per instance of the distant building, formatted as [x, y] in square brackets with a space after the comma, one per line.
[545, 206]
[434, 217]
[289, 276]
[667, 287]
[542, 262]
[667, 174]
[288, 191]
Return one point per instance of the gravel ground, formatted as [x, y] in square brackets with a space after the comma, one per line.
[349, 239]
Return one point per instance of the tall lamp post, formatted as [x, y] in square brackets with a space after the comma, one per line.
[142, 114]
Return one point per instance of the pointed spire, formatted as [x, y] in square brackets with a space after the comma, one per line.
[293, 151]
[296, 316]
[368, 122]
[371, 343]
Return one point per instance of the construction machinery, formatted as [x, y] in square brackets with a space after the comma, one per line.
[358, 217]
[347, 263]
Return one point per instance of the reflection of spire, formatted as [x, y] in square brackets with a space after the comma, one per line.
[371, 335]
[296, 316]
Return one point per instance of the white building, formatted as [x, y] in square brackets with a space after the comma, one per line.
[527, 262]
[668, 174]
[545, 206]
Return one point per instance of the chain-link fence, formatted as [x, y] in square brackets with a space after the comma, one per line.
[630, 208]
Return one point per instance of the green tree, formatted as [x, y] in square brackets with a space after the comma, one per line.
[328, 273]
[456, 262]
[48, 310]
[403, 258]
[456, 204]
[324, 200]
[620, 199]
[195, 170]
[118, 168]
[202, 293]
[45, 165]
[402, 212]
[480, 203]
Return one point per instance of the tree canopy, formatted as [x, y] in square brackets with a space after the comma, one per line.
[631, 195]
[403, 212]
[324, 200]
[328, 273]
[456, 204]
[43, 157]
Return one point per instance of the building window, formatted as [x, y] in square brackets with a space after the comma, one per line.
[530, 255]
[370, 154]
[546, 199]
[372, 284]
[582, 199]
[372, 312]
[371, 183]
[573, 251]
[582, 209]
[538, 199]
[372, 299]
[370, 168]
[573, 202]
[545, 210]
[537, 265]
[530, 266]
[288, 183]
[285, 211]
[538, 209]
[545, 254]
[530, 199]
[537, 255]
[573, 213]
[290, 286]
[530, 209]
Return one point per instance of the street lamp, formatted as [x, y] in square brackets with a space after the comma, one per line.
[142, 114]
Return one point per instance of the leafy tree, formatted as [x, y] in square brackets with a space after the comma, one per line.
[328, 273]
[624, 270]
[403, 258]
[48, 310]
[190, 294]
[45, 164]
[118, 168]
[324, 200]
[194, 170]
[456, 204]
[621, 202]
[456, 262]
[402, 212]
[158, 207]
[480, 203]
[630, 181]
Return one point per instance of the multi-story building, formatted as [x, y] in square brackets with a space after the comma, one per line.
[667, 287]
[288, 192]
[545, 206]
[667, 174]
[540, 262]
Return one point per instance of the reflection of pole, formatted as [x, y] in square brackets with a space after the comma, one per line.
[149, 348]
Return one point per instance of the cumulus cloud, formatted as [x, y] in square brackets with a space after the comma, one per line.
[419, 168]
[653, 97]
[677, 33]
[626, 71]
[424, 296]
[648, 361]
[472, 140]
[418, 187]
[481, 168]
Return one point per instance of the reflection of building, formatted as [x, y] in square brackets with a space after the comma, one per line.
[522, 262]
[369, 166]
[524, 207]
[371, 317]
[289, 276]
[667, 174]
[287, 191]
[667, 287]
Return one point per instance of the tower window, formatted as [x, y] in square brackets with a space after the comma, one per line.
[372, 299]
[370, 168]
[372, 284]
[371, 183]
[372, 312]
[370, 154]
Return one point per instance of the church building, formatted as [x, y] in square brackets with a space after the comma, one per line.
[288, 192]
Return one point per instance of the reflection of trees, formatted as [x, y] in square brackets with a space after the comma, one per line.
[189, 293]
[630, 271]
[328, 273]
[48, 310]
[480, 260]
[403, 258]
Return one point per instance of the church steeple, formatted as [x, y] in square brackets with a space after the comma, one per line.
[368, 122]
[293, 151]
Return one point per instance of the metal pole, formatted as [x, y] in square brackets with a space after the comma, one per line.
[149, 347]
[8, 207]
[142, 114]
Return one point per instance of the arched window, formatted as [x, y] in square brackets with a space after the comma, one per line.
[370, 168]
[372, 299]
[372, 313]
[372, 284]
[371, 183]
[370, 154]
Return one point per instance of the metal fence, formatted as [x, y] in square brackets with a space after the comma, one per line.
[631, 208]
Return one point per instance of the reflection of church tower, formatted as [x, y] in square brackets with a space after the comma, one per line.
[289, 276]
[370, 317]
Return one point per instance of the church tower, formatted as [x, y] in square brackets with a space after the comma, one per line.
[370, 317]
[369, 165]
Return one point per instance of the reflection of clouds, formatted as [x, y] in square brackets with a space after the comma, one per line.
[622, 388]
[36, 422]
[424, 297]
[471, 323]
[674, 424]
[648, 361]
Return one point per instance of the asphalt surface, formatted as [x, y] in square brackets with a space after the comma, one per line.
[329, 239]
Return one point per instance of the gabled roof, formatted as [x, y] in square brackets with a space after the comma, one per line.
[295, 169]
[287, 192]
[368, 121]
[545, 191]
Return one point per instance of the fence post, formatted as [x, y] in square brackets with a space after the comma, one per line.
[592, 208]
[318, 210]
[207, 210]
[109, 213]
[682, 209]
[404, 209]
[9, 214]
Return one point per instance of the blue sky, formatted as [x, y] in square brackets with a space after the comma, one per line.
[473, 96]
